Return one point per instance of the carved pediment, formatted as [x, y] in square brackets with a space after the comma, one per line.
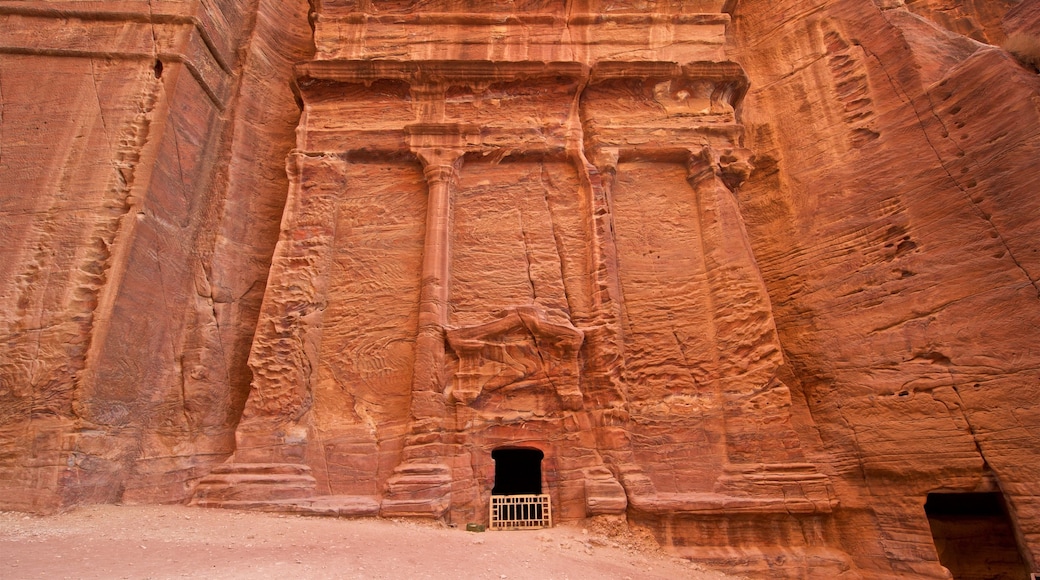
[520, 347]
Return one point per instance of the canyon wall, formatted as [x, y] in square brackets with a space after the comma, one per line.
[757, 275]
[143, 149]
[891, 211]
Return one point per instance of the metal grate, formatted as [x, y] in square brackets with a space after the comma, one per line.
[520, 512]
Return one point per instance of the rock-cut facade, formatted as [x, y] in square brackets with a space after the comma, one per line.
[760, 277]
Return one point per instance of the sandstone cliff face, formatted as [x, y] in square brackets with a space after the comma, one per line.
[128, 298]
[892, 212]
[979, 20]
[758, 275]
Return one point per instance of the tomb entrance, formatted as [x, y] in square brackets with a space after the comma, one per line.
[517, 471]
[974, 536]
[517, 501]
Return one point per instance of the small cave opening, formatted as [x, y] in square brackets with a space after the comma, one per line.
[518, 471]
[974, 536]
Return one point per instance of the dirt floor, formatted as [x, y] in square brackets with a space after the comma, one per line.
[176, 542]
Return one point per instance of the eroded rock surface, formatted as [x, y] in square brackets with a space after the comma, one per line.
[758, 275]
[890, 212]
[142, 160]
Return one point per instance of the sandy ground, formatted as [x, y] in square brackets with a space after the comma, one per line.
[177, 542]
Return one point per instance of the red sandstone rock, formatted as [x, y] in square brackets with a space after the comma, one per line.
[760, 275]
[143, 236]
[894, 239]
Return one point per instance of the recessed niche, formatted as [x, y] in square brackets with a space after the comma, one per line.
[974, 536]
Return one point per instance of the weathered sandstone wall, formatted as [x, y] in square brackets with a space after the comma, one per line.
[893, 212]
[981, 20]
[128, 296]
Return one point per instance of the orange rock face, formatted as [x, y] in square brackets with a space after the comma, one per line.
[759, 276]
[143, 178]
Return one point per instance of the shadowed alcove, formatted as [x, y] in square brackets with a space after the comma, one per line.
[518, 471]
[974, 536]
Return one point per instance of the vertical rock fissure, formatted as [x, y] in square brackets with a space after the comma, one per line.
[151, 25]
[185, 416]
[97, 97]
[558, 245]
[527, 253]
[967, 417]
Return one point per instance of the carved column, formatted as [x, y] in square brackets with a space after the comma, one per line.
[605, 488]
[441, 168]
[746, 325]
[421, 485]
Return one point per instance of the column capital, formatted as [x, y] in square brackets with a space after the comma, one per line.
[440, 165]
[606, 159]
[735, 167]
[731, 166]
[701, 166]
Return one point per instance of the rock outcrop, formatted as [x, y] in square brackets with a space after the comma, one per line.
[757, 275]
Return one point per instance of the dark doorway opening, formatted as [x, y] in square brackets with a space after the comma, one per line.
[974, 536]
[517, 471]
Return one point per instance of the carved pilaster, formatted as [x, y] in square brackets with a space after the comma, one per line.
[602, 324]
[284, 357]
[747, 349]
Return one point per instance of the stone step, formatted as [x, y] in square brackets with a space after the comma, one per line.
[417, 490]
[328, 505]
[231, 479]
[262, 468]
[419, 480]
[255, 482]
[423, 469]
